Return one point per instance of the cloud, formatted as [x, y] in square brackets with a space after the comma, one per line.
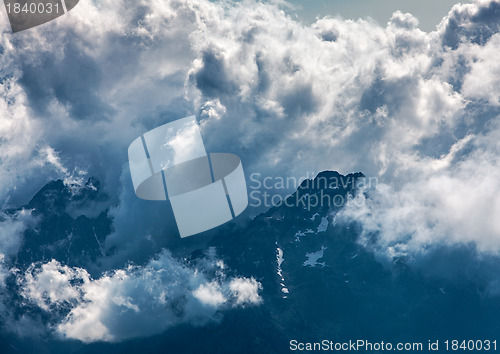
[446, 196]
[447, 201]
[326, 96]
[51, 285]
[12, 227]
[246, 291]
[470, 23]
[18, 131]
[483, 80]
[209, 294]
[135, 301]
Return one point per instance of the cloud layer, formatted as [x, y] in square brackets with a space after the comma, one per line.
[135, 301]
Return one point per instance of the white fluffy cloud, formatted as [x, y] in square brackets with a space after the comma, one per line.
[449, 200]
[135, 301]
[246, 291]
[12, 227]
[483, 80]
[446, 194]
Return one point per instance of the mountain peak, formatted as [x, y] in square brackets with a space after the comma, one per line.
[325, 179]
[73, 223]
[56, 197]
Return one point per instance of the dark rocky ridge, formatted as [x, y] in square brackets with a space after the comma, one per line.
[64, 232]
[341, 292]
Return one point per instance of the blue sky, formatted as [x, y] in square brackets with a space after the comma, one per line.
[428, 12]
